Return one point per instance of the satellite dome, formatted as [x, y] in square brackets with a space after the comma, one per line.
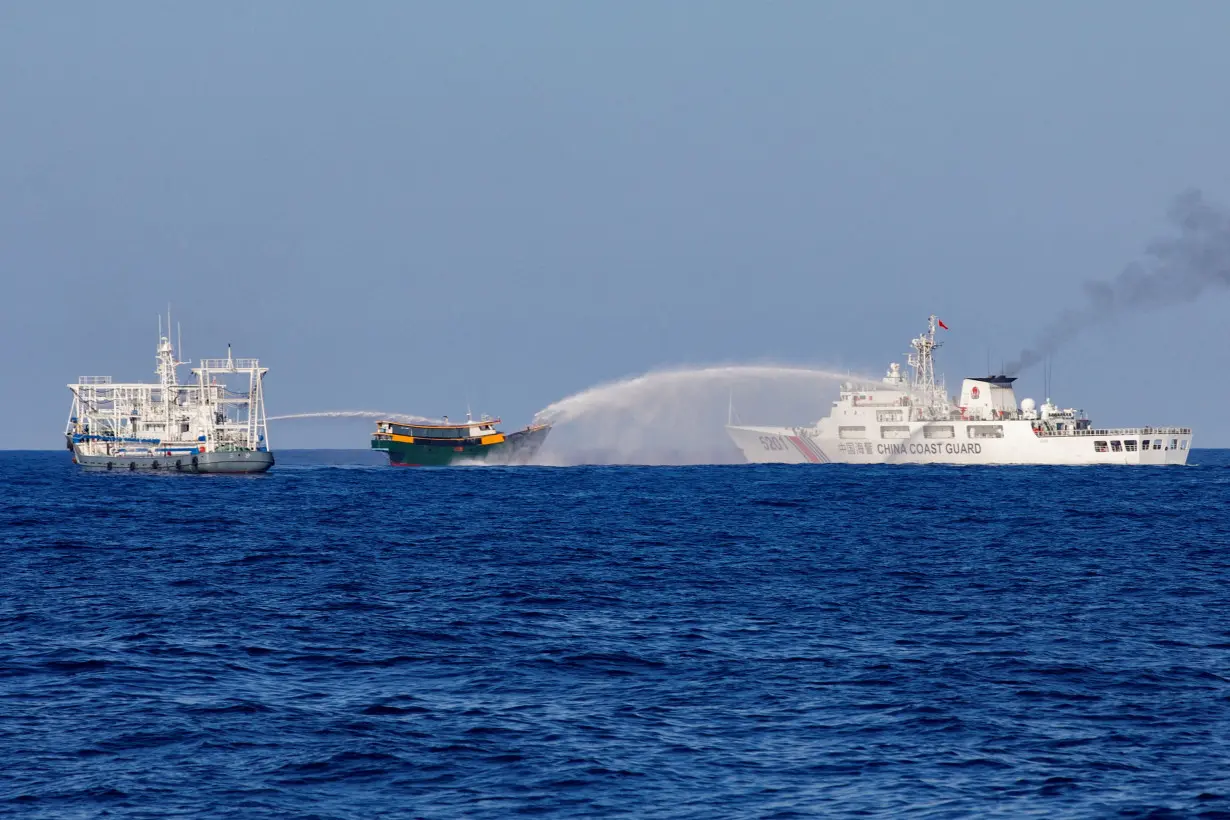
[1027, 405]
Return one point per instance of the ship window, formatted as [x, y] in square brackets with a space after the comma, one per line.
[1130, 445]
[985, 431]
[1116, 446]
[1183, 444]
[1099, 447]
[1157, 444]
[1144, 444]
[901, 431]
[889, 415]
[1174, 444]
[852, 432]
[938, 431]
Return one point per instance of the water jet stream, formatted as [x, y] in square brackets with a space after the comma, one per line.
[632, 392]
[357, 414]
[677, 416]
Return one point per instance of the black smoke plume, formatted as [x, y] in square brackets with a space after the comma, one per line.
[1176, 270]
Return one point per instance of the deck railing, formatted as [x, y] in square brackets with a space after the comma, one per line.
[1121, 431]
[227, 364]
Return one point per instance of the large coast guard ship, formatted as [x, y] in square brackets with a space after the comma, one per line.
[900, 420]
[213, 424]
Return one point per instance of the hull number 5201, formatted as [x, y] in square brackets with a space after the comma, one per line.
[772, 443]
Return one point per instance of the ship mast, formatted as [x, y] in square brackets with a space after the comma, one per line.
[922, 359]
[166, 360]
[929, 394]
[167, 377]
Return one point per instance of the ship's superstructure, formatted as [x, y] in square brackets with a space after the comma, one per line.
[213, 424]
[913, 420]
[439, 444]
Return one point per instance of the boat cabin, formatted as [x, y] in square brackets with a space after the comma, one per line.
[989, 397]
[439, 431]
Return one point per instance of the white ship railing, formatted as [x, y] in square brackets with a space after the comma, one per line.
[93, 380]
[1121, 431]
[228, 364]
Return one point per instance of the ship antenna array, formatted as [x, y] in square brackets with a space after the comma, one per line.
[921, 360]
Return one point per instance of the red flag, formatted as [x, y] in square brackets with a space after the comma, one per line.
[940, 322]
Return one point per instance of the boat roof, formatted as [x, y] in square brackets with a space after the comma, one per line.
[444, 425]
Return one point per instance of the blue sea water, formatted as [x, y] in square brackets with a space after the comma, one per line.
[335, 639]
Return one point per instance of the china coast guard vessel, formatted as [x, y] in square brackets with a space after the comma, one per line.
[203, 426]
[900, 420]
[439, 444]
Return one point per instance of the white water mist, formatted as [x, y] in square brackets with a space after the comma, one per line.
[678, 416]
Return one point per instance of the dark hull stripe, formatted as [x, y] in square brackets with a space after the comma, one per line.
[516, 448]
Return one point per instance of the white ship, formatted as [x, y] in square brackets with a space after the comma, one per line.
[204, 426]
[913, 421]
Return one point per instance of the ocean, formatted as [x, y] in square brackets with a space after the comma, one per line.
[338, 639]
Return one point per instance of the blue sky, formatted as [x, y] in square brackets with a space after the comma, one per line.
[405, 206]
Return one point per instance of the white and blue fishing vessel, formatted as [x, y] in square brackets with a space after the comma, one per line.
[214, 423]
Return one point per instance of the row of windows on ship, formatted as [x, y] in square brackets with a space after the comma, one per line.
[929, 431]
[943, 431]
[1129, 445]
[434, 432]
[899, 415]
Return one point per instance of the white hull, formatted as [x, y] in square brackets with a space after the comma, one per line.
[1019, 445]
[914, 421]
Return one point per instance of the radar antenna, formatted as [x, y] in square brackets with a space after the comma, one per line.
[923, 360]
[929, 393]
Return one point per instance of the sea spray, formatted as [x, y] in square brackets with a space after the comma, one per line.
[633, 393]
[671, 416]
[677, 416]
